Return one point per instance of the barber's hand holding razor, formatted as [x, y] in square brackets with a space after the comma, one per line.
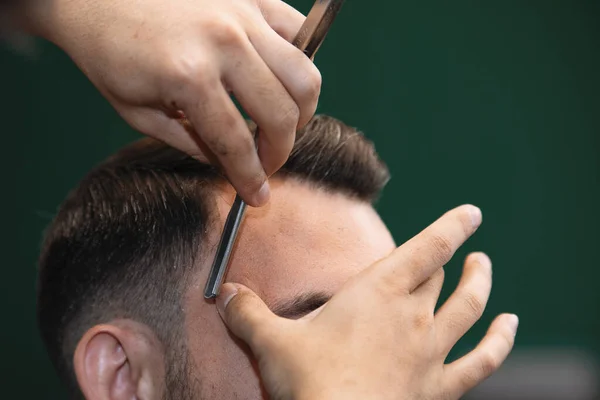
[378, 337]
[156, 60]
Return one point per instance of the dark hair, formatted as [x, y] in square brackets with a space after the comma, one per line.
[124, 242]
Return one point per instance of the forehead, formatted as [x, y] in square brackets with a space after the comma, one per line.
[304, 240]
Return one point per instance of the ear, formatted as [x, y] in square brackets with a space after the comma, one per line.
[122, 360]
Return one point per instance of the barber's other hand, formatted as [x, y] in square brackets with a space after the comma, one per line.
[154, 58]
[378, 337]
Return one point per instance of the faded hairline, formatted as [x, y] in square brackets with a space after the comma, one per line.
[137, 223]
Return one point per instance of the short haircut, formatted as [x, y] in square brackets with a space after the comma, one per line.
[124, 242]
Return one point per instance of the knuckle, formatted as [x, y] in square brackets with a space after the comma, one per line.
[469, 378]
[219, 128]
[217, 145]
[391, 289]
[243, 144]
[442, 249]
[455, 322]
[423, 321]
[224, 31]
[223, 123]
[474, 304]
[187, 70]
[488, 364]
[310, 86]
[288, 118]
[181, 68]
[230, 148]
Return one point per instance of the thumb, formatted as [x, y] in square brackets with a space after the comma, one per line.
[245, 314]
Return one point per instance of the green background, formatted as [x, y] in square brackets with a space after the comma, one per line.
[491, 103]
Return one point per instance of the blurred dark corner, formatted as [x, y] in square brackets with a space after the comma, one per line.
[491, 103]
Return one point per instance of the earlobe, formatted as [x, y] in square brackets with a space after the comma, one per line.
[102, 366]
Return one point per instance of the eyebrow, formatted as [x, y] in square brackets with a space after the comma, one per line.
[300, 305]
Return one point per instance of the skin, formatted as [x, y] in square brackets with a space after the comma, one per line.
[157, 61]
[344, 236]
[312, 241]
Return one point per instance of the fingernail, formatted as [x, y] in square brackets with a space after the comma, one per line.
[481, 258]
[475, 216]
[514, 323]
[263, 194]
[228, 292]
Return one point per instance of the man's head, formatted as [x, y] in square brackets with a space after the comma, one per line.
[120, 298]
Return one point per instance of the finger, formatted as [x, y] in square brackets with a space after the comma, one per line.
[175, 132]
[416, 260]
[429, 291]
[465, 306]
[297, 73]
[267, 102]
[222, 128]
[470, 370]
[245, 314]
[284, 19]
